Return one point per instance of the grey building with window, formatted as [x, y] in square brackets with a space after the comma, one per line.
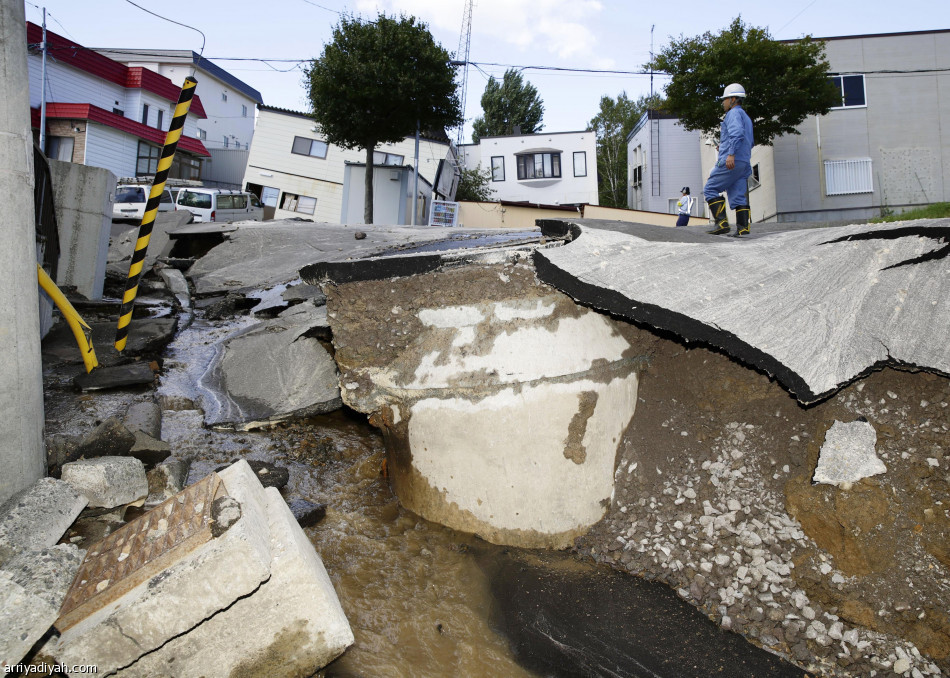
[885, 148]
[662, 158]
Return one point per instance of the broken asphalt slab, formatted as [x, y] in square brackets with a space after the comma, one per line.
[269, 372]
[257, 256]
[814, 308]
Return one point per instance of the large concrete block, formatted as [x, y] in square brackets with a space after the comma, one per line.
[38, 516]
[502, 406]
[163, 574]
[33, 585]
[108, 482]
[298, 624]
[83, 197]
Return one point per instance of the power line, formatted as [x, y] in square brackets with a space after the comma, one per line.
[204, 40]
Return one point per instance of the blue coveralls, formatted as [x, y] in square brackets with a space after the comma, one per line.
[735, 138]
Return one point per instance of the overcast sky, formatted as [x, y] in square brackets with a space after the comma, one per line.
[610, 35]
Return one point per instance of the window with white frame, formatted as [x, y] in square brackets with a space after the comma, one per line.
[224, 96]
[144, 114]
[754, 180]
[381, 158]
[298, 203]
[852, 90]
[226, 141]
[846, 177]
[243, 111]
[312, 147]
[202, 134]
[161, 116]
[580, 163]
[498, 168]
[539, 165]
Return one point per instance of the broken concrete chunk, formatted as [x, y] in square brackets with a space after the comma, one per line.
[108, 481]
[298, 625]
[111, 438]
[145, 417]
[167, 479]
[163, 574]
[305, 292]
[271, 372]
[306, 513]
[177, 285]
[24, 618]
[33, 585]
[46, 573]
[38, 516]
[848, 454]
[103, 378]
[148, 450]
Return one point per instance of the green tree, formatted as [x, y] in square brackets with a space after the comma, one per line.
[375, 81]
[512, 102]
[612, 124]
[473, 185]
[784, 82]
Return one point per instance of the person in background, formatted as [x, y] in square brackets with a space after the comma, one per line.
[733, 168]
[684, 207]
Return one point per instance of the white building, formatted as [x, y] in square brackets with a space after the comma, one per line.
[297, 173]
[662, 158]
[556, 168]
[229, 103]
[105, 114]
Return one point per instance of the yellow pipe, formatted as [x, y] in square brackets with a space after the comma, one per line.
[81, 330]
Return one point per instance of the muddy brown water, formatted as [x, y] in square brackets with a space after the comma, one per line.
[425, 600]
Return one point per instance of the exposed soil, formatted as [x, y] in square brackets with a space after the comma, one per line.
[714, 497]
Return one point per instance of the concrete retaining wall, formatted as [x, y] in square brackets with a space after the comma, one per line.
[83, 197]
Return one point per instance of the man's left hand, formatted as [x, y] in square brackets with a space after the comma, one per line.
[730, 162]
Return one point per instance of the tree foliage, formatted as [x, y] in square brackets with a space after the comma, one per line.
[506, 104]
[612, 124]
[375, 81]
[474, 185]
[784, 82]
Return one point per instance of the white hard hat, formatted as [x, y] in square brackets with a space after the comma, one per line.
[733, 90]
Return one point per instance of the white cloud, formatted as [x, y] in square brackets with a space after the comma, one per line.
[564, 29]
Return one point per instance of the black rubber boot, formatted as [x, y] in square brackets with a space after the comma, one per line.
[717, 208]
[743, 218]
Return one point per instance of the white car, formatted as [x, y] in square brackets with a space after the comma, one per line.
[130, 200]
[220, 205]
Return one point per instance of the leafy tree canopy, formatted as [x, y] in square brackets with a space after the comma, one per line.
[376, 80]
[474, 185]
[784, 82]
[506, 104]
[612, 124]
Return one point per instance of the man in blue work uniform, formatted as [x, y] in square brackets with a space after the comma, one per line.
[733, 168]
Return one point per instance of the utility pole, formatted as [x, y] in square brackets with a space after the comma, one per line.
[22, 452]
[43, 90]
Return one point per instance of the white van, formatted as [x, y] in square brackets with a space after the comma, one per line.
[221, 205]
[130, 200]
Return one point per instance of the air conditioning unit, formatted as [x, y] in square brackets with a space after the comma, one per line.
[394, 175]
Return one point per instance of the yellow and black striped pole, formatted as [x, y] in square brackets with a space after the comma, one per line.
[151, 209]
